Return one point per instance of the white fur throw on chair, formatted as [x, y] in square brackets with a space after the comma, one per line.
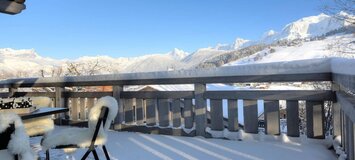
[41, 101]
[82, 136]
[42, 125]
[19, 143]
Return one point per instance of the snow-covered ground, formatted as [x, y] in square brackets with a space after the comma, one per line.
[330, 47]
[138, 146]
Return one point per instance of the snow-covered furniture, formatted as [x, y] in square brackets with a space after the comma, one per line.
[14, 141]
[102, 114]
[42, 125]
[5, 138]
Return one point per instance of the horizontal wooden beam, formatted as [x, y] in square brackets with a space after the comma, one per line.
[158, 94]
[113, 80]
[272, 95]
[86, 94]
[28, 94]
[252, 94]
[345, 82]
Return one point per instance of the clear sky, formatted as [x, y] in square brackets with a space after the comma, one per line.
[128, 28]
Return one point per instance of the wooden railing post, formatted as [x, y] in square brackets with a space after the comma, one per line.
[59, 100]
[188, 113]
[74, 109]
[139, 111]
[216, 114]
[116, 93]
[315, 119]
[350, 139]
[82, 109]
[293, 120]
[233, 124]
[200, 109]
[12, 91]
[343, 128]
[272, 117]
[60, 103]
[163, 112]
[176, 111]
[151, 109]
[128, 110]
[336, 119]
[250, 116]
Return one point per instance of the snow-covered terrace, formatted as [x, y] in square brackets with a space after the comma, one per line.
[138, 146]
[184, 113]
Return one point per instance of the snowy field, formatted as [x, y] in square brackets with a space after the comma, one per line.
[138, 146]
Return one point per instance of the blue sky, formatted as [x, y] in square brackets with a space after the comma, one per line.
[128, 28]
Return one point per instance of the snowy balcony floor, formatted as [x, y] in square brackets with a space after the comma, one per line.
[138, 146]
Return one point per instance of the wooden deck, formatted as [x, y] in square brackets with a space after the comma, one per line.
[138, 146]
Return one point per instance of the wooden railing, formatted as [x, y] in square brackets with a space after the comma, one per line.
[166, 112]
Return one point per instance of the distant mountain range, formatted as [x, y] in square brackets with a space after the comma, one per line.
[309, 37]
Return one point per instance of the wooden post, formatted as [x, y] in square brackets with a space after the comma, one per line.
[139, 111]
[216, 114]
[82, 109]
[272, 117]
[343, 128]
[59, 100]
[176, 109]
[151, 110]
[74, 109]
[60, 103]
[200, 109]
[12, 91]
[336, 119]
[315, 119]
[353, 141]
[250, 116]
[346, 135]
[128, 110]
[188, 113]
[292, 116]
[163, 112]
[350, 138]
[233, 124]
[116, 93]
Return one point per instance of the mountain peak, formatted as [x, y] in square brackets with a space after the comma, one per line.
[24, 53]
[306, 27]
[178, 54]
[238, 43]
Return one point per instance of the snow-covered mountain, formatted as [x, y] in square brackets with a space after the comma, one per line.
[296, 40]
[238, 44]
[331, 46]
[307, 27]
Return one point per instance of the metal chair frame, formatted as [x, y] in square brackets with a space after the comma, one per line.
[6, 137]
[92, 148]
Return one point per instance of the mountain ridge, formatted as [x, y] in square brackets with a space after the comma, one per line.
[30, 63]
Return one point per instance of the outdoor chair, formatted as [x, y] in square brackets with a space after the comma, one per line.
[100, 118]
[14, 143]
[5, 139]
